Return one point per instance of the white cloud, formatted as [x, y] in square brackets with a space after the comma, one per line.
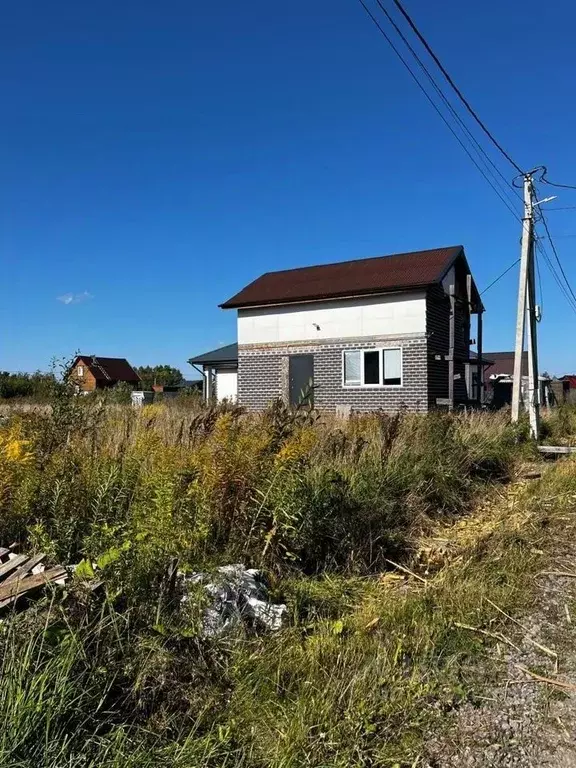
[75, 298]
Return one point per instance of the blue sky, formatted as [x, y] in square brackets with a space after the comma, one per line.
[157, 157]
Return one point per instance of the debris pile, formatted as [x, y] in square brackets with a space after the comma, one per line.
[237, 595]
[24, 576]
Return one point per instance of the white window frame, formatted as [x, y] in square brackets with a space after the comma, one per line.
[80, 371]
[380, 350]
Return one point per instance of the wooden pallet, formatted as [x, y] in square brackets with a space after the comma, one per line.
[22, 575]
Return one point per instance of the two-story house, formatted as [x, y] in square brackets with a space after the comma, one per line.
[90, 372]
[379, 333]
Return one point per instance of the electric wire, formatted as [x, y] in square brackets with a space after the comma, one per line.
[559, 283]
[544, 180]
[562, 281]
[500, 276]
[436, 108]
[458, 92]
[555, 252]
[485, 158]
[555, 275]
[539, 276]
[564, 286]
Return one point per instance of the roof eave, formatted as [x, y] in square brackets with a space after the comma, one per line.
[231, 304]
[221, 356]
[204, 361]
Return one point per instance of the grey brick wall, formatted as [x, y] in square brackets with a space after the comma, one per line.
[262, 375]
[260, 378]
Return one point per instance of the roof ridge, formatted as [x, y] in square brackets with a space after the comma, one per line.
[103, 357]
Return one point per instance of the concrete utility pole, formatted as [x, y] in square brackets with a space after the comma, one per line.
[527, 315]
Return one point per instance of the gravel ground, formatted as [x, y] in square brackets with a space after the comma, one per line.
[519, 721]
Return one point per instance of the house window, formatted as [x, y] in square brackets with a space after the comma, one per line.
[80, 371]
[372, 368]
[352, 376]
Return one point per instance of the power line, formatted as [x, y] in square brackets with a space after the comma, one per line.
[500, 277]
[559, 283]
[565, 286]
[553, 184]
[555, 275]
[478, 147]
[539, 283]
[560, 237]
[555, 252]
[459, 93]
[435, 106]
[544, 180]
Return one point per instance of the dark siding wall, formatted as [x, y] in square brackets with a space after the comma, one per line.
[460, 390]
[438, 330]
[462, 330]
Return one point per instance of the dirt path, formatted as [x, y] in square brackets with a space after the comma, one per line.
[518, 720]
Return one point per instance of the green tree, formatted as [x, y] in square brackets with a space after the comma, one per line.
[159, 374]
[37, 385]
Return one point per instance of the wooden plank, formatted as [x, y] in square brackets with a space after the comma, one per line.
[11, 565]
[557, 449]
[24, 569]
[469, 292]
[9, 592]
[4, 551]
[451, 339]
[479, 368]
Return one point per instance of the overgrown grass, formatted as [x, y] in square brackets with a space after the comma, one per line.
[278, 490]
[559, 426]
[371, 658]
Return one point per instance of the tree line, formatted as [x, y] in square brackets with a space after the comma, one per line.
[40, 385]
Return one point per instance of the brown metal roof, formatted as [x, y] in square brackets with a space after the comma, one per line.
[109, 368]
[379, 274]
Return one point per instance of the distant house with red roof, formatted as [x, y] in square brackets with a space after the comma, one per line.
[570, 379]
[91, 372]
[565, 388]
[498, 374]
[502, 363]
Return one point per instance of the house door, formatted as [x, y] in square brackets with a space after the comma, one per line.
[301, 379]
